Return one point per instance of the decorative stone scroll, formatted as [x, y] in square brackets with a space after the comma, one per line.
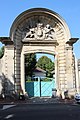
[40, 32]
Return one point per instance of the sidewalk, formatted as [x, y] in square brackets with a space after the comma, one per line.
[50, 100]
[37, 100]
[44, 100]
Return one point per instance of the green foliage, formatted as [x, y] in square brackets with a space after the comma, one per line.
[30, 64]
[1, 52]
[46, 79]
[28, 79]
[46, 64]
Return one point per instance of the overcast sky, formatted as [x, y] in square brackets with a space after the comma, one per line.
[69, 10]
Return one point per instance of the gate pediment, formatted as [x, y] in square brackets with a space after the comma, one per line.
[39, 24]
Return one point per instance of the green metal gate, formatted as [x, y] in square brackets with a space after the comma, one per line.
[40, 88]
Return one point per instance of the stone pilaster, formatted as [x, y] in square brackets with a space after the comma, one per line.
[56, 74]
[77, 75]
[17, 60]
[23, 72]
[69, 69]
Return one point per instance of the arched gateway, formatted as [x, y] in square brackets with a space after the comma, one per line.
[40, 30]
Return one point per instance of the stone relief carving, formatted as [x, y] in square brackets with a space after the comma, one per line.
[49, 32]
[40, 32]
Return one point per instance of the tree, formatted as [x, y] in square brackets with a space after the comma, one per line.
[46, 64]
[1, 52]
[30, 64]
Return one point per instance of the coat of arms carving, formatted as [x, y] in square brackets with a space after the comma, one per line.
[40, 32]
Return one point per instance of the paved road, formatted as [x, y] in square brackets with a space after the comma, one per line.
[58, 111]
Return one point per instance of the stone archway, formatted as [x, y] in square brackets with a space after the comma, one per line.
[42, 30]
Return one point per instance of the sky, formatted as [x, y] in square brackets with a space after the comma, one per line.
[69, 10]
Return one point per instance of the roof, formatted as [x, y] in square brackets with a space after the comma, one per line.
[53, 72]
[39, 70]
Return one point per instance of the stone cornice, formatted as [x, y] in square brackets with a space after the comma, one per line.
[72, 41]
[6, 40]
[41, 42]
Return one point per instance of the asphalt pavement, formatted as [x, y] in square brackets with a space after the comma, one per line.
[49, 111]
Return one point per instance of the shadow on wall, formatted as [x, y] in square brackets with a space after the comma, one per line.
[6, 86]
[7, 90]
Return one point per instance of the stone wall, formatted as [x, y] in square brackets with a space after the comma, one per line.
[7, 69]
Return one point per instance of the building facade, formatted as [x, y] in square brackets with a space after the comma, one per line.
[39, 30]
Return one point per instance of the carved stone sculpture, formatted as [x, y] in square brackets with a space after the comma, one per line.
[40, 32]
